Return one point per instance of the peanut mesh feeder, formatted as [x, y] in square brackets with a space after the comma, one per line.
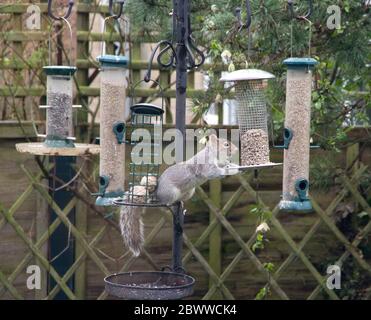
[297, 135]
[112, 128]
[252, 116]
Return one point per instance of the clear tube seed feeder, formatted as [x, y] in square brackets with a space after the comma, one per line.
[59, 124]
[297, 135]
[59, 139]
[112, 128]
[252, 116]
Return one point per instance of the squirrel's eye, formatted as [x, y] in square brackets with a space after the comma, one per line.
[226, 144]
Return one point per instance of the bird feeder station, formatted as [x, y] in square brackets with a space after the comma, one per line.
[252, 116]
[297, 135]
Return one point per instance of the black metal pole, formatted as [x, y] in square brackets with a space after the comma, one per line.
[178, 221]
[63, 170]
[181, 12]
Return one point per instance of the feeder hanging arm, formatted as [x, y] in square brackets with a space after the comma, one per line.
[110, 8]
[238, 15]
[66, 16]
[290, 4]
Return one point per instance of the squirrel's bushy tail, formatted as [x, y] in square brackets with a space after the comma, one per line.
[132, 229]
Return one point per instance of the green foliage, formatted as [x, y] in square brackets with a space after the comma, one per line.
[322, 172]
[343, 55]
[262, 294]
[265, 291]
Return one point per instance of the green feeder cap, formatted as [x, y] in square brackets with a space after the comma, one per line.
[109, 60]
[59, 70]
[300, 63]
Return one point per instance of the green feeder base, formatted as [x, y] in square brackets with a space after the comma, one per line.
[296, 206]
[108, 199]
[59, 143]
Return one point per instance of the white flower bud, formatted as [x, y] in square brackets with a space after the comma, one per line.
[263, 227]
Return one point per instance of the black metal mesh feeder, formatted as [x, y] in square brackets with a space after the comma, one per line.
[143, 285]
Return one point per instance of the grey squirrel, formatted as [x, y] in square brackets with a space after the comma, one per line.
[177, 184]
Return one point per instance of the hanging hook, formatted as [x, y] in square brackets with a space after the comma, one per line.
[238, 15]
[66, 16]
[305, 17]
[110, 8]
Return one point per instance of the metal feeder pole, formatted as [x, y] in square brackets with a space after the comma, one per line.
[181, 11]
[63, 170]
[178, 222]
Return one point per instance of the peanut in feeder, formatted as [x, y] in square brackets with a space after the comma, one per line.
[297, 135]
[252, 115]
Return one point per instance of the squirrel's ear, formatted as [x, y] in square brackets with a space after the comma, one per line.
[213, 139]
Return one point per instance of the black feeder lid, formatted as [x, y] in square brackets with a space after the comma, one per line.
[147, 109]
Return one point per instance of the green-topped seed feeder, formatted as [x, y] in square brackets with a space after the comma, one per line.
[59, 119]
[112, 128]
[297, 135]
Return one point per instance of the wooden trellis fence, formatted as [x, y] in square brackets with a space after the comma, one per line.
[89, 241]
[89, 246]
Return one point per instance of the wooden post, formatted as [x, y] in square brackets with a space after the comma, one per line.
[82, 75]
[82, 52]
[42, 222]
[352, 156]
[82, 226]
[136, 53]
[215, 240]
[352, 163]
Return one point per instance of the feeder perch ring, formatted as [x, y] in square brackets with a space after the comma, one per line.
[122, 202]
[257, 166]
